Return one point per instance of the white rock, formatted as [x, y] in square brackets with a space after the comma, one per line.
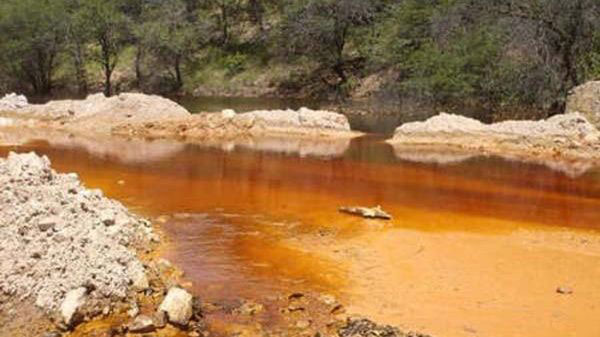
[585, 99]
[139, 280]
[12, 102]
[72, 302]
[178, 306]
[228, 113]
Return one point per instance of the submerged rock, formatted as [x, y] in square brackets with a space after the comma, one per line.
[178, 305]
[366, 212]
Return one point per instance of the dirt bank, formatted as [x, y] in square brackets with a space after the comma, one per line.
[145, 116]
[567, 137]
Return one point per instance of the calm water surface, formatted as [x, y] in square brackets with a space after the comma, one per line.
[231, 209]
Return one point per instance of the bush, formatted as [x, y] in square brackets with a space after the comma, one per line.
[234, 63]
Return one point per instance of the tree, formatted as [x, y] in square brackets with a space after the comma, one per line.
[564, 33]
[108, 27]
[322, 29]
[77, 37]
[32, 37]
[170, 33]
[224, 12]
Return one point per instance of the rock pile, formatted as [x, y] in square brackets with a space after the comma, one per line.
[132, 114]
[568, 135]
[13, 102]
[362, 327]
[61, 243]
[229, 125]
[585, 99]
[98, 114]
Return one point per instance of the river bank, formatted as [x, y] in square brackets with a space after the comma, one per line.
[567, 139]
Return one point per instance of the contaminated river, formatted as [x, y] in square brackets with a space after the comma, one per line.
[477, 247]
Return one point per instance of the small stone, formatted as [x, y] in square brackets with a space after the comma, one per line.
[303, 324]
[250, 308]
[48, 223]
[178, 306]
[107, 217]
[328, 299]
[134, 310]
[121, 182]
[142, 324]
[106, 311]
[228, 113]
[564, 290]
[140, 281]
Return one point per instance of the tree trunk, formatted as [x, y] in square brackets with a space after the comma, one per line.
[257, 10]
[224, 25]
[80, 71]
[178, 76]
[107, 83]
[138, 66]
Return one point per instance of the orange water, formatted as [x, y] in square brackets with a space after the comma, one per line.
[241, 219]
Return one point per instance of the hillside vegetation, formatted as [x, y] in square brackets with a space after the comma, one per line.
[503, 55]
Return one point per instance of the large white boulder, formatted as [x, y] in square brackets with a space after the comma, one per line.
[585, 99]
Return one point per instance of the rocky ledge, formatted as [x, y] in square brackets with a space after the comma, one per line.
[229, 125]
[567, 136]
[151, 116]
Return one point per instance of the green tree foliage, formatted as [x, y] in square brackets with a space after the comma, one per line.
[323, 28]
[495, 53]
[32, 36]
[563, 35]
[171, 33]
[108, 28]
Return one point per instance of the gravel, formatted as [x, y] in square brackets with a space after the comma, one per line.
[57, 236]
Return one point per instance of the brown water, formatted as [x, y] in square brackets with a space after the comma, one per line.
[475, 248]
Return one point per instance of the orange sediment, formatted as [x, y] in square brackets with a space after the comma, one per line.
[475, 248]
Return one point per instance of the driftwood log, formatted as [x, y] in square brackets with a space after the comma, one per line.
[366, 212]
